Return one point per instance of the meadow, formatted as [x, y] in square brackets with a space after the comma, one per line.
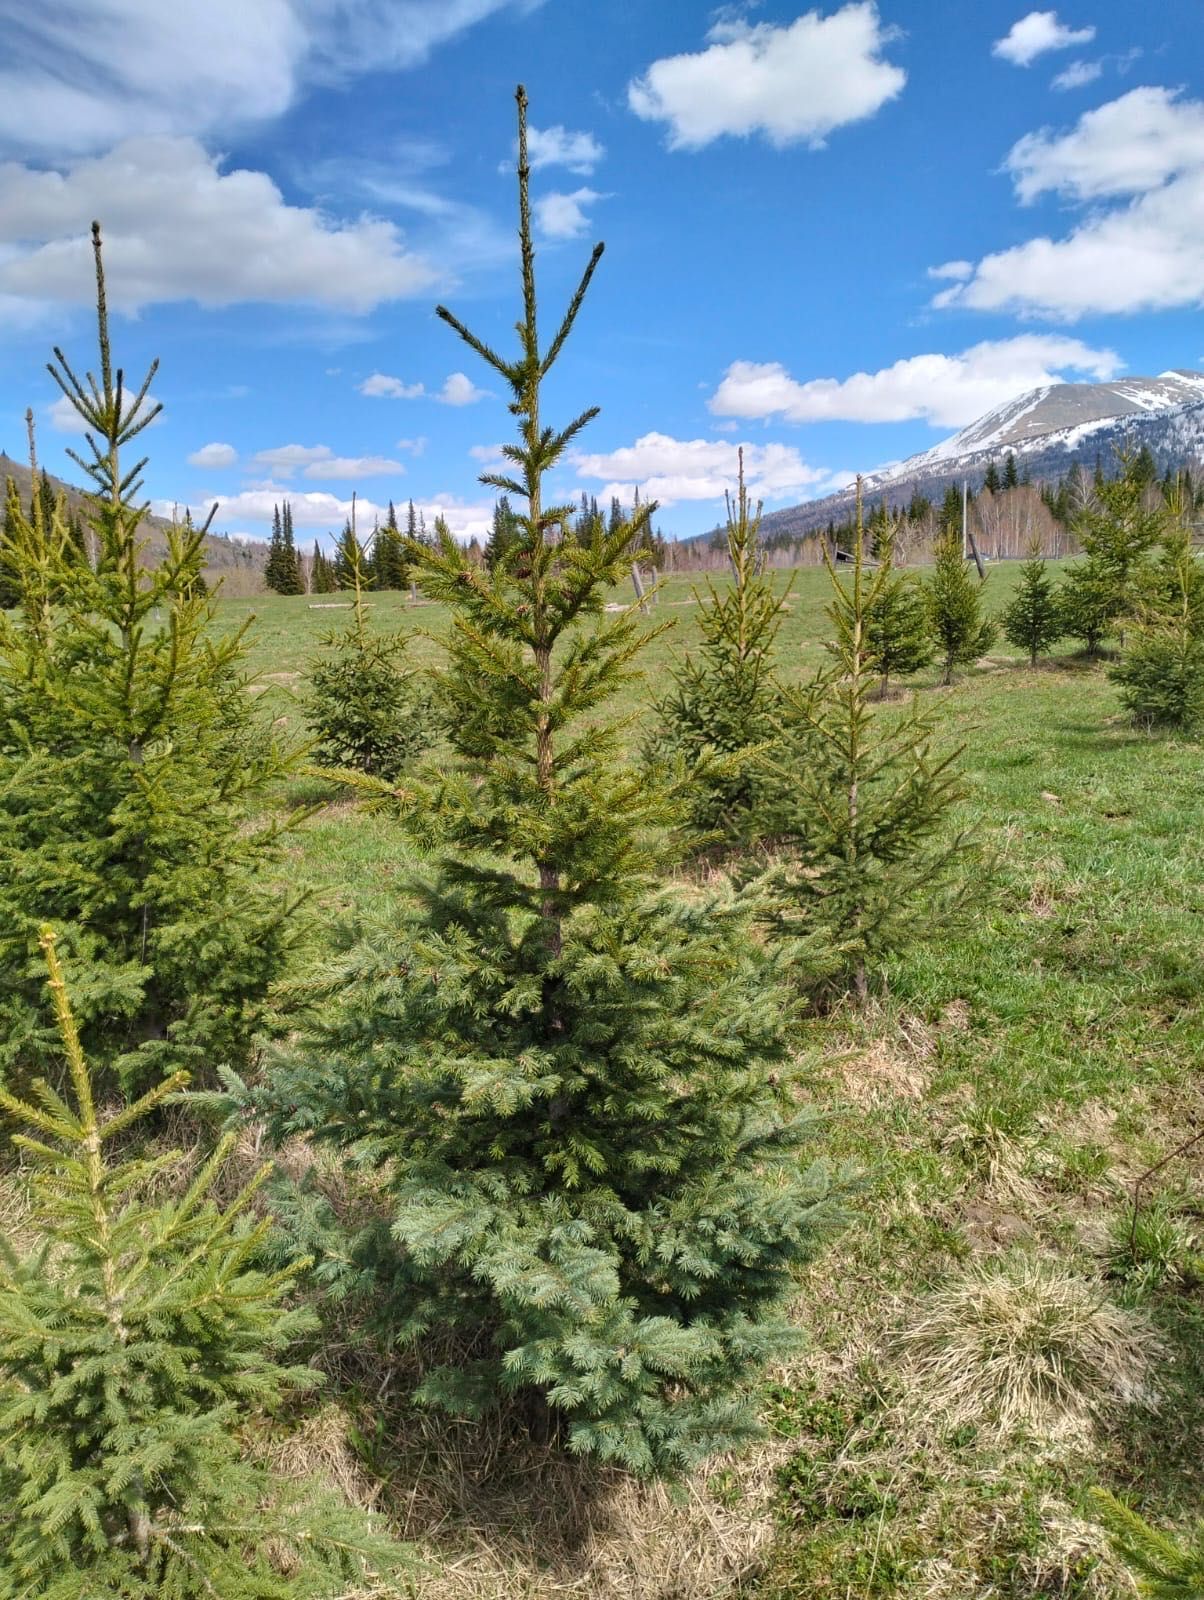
[1000, 1097]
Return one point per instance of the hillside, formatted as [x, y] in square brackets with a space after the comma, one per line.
[1048, 430]
[235, 561]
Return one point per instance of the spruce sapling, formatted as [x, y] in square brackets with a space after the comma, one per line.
[897, 637]
[132, 779]
[1033, 620]
[871, 860]
[563, 1078]
[1161, 671]
[137, 1338]
[367, 713]
[725, 702]
[954, 600]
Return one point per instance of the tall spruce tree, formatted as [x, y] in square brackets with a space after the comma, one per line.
[563, 1077]
[136, 1337]
[289, 566]
[897, 638]
[273, 572]
[132, 780]
[1033, 620]
[954, 600]
[503, 533]
[389, 553]
[725, 706]
[871, 861]
[321, 572]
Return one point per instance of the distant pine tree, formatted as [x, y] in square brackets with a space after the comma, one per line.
[389, 563]
[321, 572]
[137, 1336]
[1117, 529]
[289, 567]
[503, 535]
[350, 560]
[1011, 477]
[1033, 620]
[991, 480]
[273, 572]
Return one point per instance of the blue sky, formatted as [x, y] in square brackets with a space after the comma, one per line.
[833, 235]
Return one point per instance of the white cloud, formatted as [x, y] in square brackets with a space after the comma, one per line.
[64, 418]
[1128, 146]
[952, 269]
[947, 391]
[1035, 34]
[669, 470]
[326, 513]
[286, 459]
[562, 216]
[793, 83]
[489, 455]
[1077, 75]
[355, 467]
[178, 228]
[80, 77]
[557, 147]
[459, 390]
[414, 447]
[214, 455]
[1146, 149]
[381, 386]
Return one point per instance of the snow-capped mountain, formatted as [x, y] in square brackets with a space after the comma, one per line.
[1048, 430]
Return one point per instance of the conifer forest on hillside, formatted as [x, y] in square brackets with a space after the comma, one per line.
[579, 1065]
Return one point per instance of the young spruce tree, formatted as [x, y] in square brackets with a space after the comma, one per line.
[873, 862]
[564, 1076]
[954, 599]
[1161, 670]
[136, 1337]
[1033, 619]
[726, 702]
[132, 776]
[897, 637]
[367, 712]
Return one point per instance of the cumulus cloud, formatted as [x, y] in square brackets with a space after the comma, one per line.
[383, 386]
[354, 467]
[179, 228]
[77, 78]
[214, 455]
[1145, 252]
[793, 84]
[326, 513]
[669, 470]
[947, 391]
[1127, 147]
[459, 390]
[557, 147]
[489, 455]
[562, 216]
[1077, 75]
[286, 459]
[1035, 35]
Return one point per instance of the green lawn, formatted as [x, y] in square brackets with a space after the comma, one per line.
[1000, 1097]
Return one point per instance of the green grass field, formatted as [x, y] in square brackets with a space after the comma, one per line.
[1000, 1098]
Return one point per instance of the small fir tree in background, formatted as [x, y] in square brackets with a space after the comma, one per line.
[503, 534]
[897, 638]
[136, 1338]
[389, 562]
[351, 564]
[1033, 620]
[953, 598]
[368, 714]
[321, 572]
[725, 707]
[1118, 528]
[1161, 671]
[563, 1077]
[132, 775]
[871, 861]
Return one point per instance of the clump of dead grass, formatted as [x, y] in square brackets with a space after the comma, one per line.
[1022, 1346]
